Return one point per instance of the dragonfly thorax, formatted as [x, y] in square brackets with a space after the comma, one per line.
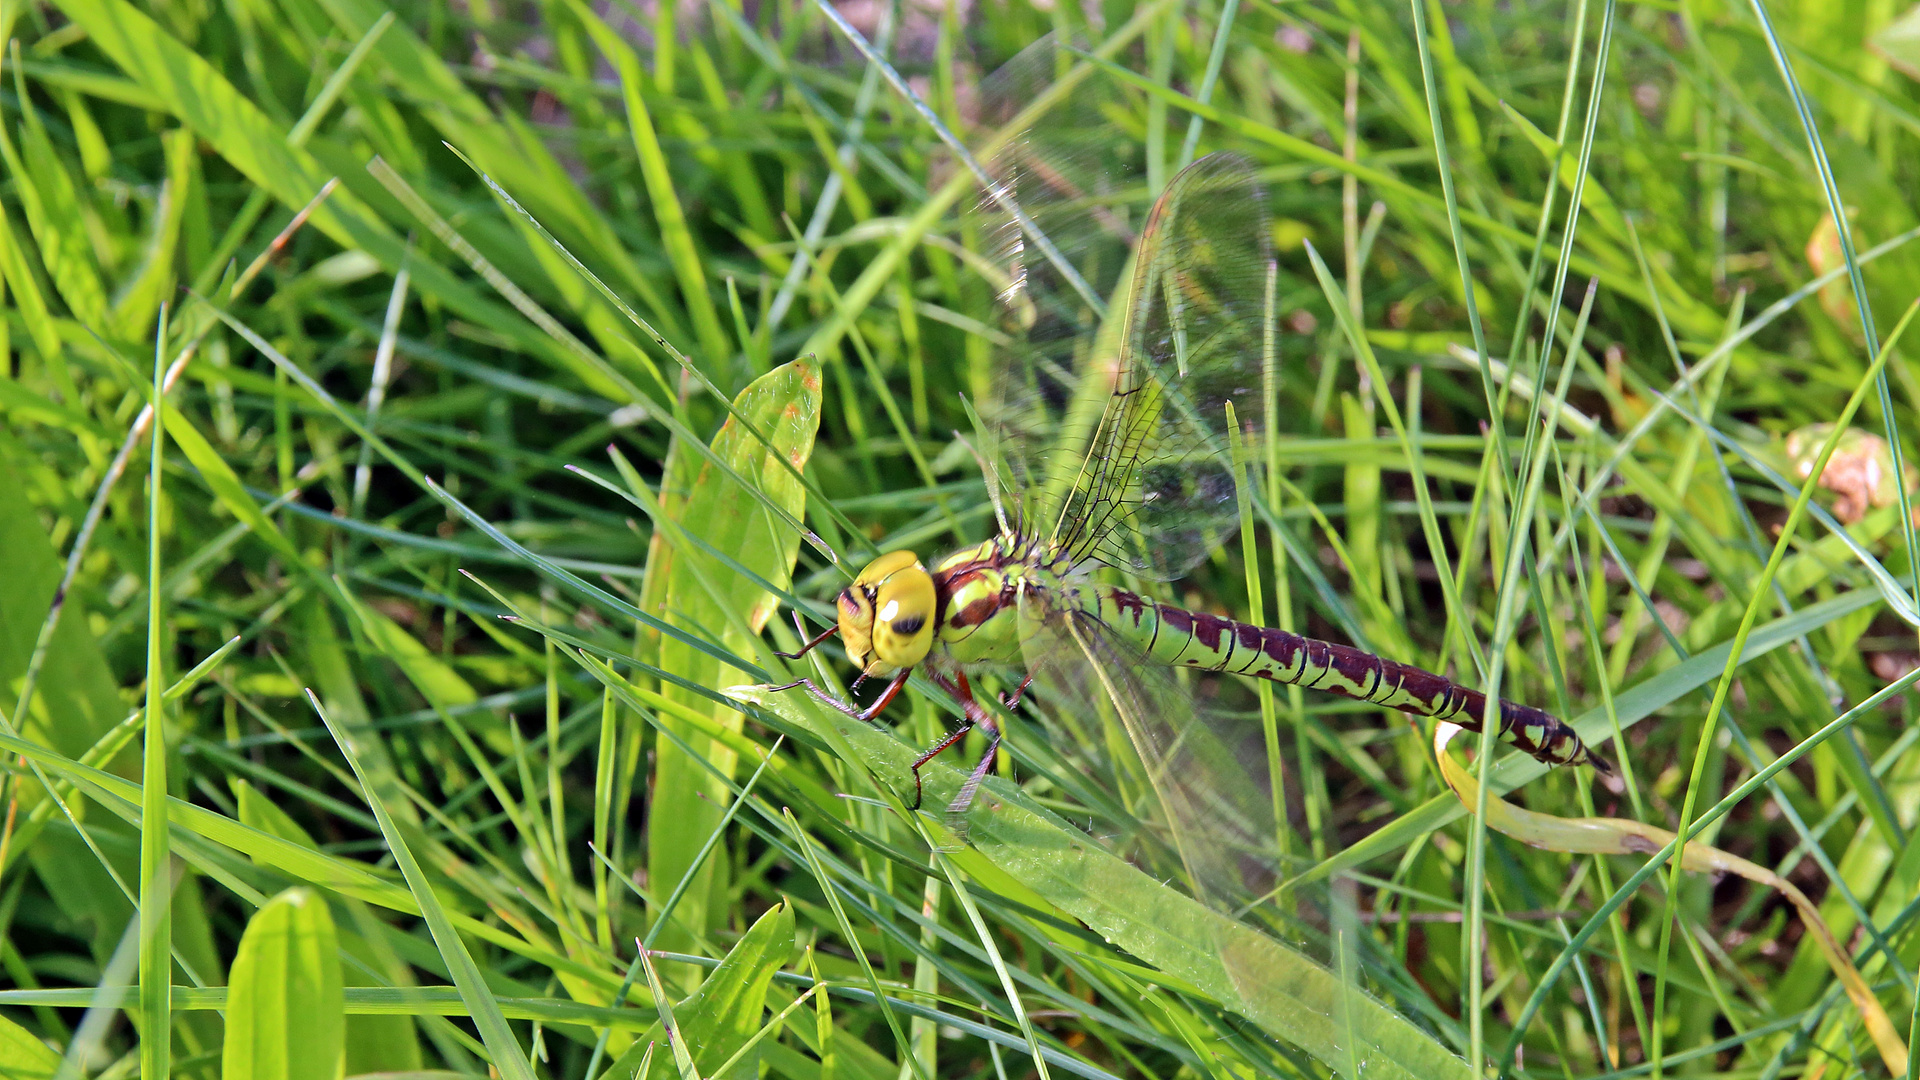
[978, 589]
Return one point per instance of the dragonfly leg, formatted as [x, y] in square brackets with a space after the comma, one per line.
[962, 692]
[866, 715]
[964, 799]
[1014, 702]
[811, 644]
[951, 737]
[872, 712]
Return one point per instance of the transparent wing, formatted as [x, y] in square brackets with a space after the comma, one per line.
[1128, 326]
[1059, 227]
[1156, 491]
[1192, 774]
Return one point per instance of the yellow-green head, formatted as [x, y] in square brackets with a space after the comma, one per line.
[886, 615]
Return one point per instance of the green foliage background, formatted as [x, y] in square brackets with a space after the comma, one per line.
[454, 555]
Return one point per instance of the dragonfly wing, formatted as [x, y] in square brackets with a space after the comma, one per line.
[1156, 492]
[1180, 765]
[1175, 763]
[1128, 324]
[1058, 226]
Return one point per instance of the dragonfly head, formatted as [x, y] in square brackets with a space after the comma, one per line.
[886, 615]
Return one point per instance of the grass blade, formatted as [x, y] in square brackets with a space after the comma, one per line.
[481, 1005]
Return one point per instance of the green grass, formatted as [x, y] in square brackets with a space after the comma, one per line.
[455, 558]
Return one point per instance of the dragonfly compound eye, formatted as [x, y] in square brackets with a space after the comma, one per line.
[886, 615]
[856, 623]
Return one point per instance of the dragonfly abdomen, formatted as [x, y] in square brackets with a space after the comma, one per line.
[1182, 638]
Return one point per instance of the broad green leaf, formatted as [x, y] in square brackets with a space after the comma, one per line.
[718, 1019]
[1288, 994]
[23, 1056]
[77, 700]
[286, 1015]
[24, 293]
[75, 704]
[375, 1043]
[725, 1012]
[54, 213]
[690, 588]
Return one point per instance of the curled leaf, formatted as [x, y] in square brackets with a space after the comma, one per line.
[1620, 836]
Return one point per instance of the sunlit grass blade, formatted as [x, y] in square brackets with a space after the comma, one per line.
[156, 853]
[1287, 993]
[508, 1057]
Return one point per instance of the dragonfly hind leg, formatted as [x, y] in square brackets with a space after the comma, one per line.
[976, 717]
[949, 739]
[1012, 701]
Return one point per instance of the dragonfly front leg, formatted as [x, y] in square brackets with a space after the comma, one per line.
[866, 715]
[812, 643]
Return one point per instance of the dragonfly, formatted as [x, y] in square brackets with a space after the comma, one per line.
[1148, 399]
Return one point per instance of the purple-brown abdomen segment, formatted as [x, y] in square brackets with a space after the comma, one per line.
[1183, 638]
